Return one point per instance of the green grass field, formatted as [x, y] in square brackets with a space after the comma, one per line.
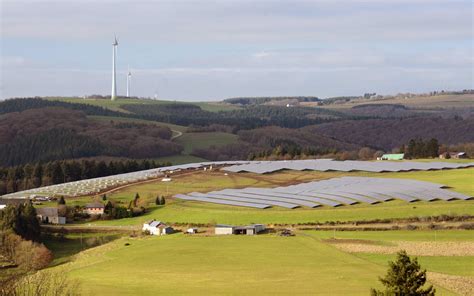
[235, 265]
[192, 141]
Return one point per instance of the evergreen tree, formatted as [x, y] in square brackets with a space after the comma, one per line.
[108, 207]
[162, 200]
[57, 175]
[404, 277]
[104, 197]
[135, 200]
[158, 200]
[37, 175]
[61, 201]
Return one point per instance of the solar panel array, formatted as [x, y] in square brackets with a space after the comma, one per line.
[324, 165]
[333, 192]
[96, 185]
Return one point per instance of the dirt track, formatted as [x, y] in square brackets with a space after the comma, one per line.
[462, 285]
[412, 248]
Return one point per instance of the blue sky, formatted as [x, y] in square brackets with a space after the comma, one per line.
[211, 50]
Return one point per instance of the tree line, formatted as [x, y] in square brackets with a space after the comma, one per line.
[23, 177]
[419, 148]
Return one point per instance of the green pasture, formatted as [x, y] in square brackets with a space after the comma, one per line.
[191, 141]
[226, 265]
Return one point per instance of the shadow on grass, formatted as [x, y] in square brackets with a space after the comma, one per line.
[64, 247]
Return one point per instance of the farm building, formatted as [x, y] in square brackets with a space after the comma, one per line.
[221, 229]
[95, 208]
[50, 216]
[157, 228]
[453, 155]
[398, 156]
[252, 229]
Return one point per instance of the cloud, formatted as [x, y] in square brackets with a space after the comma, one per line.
[238, 21]
[207, 49]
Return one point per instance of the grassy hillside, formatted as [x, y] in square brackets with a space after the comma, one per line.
[226, 265]
[191, 141]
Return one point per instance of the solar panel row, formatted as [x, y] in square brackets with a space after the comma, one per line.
[333, 192]
[262, 167]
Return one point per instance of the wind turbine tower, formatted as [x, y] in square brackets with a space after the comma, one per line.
[114, 72]
[129, 81]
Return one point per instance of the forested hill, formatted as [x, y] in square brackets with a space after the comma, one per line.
[18, 105]
[246, 118]
[46, 134]
[391, 133]
[38, 130]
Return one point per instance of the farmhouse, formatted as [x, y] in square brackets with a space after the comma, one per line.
[252, 229]
[95, 208]
[50, 216]
[157, 228]
[398, 156]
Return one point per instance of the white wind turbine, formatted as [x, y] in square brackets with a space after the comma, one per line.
[114, 72]
[129, 82]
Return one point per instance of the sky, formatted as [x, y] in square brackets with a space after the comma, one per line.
[211, 50]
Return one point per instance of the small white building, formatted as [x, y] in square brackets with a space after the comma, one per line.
[157, 228]
[192, 230]
[222, 229]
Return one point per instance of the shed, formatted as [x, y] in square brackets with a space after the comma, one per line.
[50, 215]
[252, 229]
[222, 229]
[249, 229]
[398, 156]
